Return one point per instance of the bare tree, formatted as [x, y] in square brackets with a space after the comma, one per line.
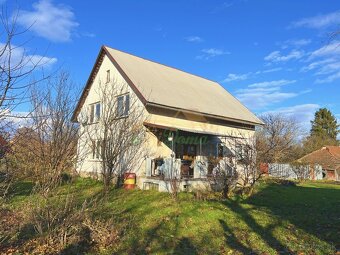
[114, 131]
[236, 165]
[48, 147]
[275, 140]
[225, 175]
[16, 68]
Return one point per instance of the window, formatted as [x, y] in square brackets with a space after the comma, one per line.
[94, 112]
[243, 152]
[239, 152]
[108, 78]
[97, 111]
[220, 153]
[123, 105]
[96, 149]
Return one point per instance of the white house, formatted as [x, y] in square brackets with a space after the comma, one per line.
[188, 119]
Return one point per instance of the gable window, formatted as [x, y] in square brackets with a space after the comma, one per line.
[108, 77]
[95, 112]
[123, 105]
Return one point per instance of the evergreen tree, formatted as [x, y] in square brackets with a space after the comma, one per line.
[324, 124]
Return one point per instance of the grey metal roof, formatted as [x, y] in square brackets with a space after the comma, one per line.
[164, 85]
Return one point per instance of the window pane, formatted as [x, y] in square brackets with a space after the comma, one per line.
[120, 106]
[239, 152]
[98, 150]
[98, 111]
[127, 105]
[91, 113]
[93, 149]
[107, 76]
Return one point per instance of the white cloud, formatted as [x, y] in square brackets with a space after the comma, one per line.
[88, 34]
[15, 118]
[245, 76]
[295, 43]
[330, 78]
[303, 113]
[236, 77]
[317, 64]
[20, 57]
[328, 68]
[262, 94]
[211, 53]
[326, 62]
[276, 83]
[272, 70]
[53, 22]
[331, 49]
[319, 21]
[276, 56]
[259, 99]
[222, 7]
[195, 39]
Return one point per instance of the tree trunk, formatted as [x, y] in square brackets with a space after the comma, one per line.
[119, 181]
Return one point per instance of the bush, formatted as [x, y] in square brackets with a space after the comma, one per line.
[66, 178]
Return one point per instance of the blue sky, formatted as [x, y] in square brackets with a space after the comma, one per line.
[274, 56]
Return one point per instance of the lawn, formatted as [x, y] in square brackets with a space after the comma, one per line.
[277, 219]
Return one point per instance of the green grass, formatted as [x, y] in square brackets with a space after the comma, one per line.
[276, 219]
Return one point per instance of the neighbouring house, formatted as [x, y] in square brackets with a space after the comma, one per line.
[189, 120]
[329, 158]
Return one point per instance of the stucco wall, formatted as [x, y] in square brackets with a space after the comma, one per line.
[153, 146]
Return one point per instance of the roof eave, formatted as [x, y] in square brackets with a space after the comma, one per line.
[206, 114]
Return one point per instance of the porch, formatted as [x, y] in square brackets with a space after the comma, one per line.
[192, 156]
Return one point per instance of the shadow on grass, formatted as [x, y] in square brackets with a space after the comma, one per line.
[185, 246]
[232, 241]
[81, 247]
[311, 209]
[266, 233]
[21, 189]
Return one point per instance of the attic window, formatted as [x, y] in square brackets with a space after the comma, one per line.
[123, 105]
[108, 78]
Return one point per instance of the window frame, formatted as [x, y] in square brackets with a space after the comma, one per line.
[94, 116]
[108, 76]
[96, 149]
[122, 111]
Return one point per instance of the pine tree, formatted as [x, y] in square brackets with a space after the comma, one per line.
[324, 124]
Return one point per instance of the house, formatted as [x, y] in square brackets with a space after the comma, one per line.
[188, 119]
[329, 158]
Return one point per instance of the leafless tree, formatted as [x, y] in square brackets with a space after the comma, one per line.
[302, 170]
[225, 175]
[236, 166]
[16, 67]
[275, 140]
[48, 147]
[114, 131]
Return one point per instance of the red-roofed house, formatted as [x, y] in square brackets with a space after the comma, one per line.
[329, 158]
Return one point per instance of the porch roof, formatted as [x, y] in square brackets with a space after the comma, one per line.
[191, 130]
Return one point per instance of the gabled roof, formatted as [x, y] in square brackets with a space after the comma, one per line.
[328, 157]
[163, 86]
